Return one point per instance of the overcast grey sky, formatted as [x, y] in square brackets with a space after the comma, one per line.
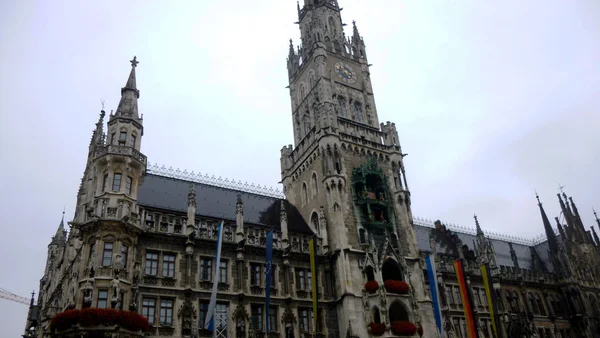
[492, 99]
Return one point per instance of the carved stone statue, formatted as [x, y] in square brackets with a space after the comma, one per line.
[116, 288]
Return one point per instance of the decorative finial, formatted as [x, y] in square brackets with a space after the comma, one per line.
[560, 188]
[134, 62]
[537, 196]
[102, 102]
[596, 215]
[476, 220]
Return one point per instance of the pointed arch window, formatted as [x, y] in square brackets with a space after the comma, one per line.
[540, 305]
[304, 194]
[302, 92]
[314, 187]
[357, 111]
[343, 109]
[306, 123]
[314, 220]
[332, 26]
[311, 81]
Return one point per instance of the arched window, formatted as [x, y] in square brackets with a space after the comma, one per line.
[306, 123]
[391, 271]
[376, 315]
[357, 111]
[332, 27]
[398, 312]
[370, 274]
[311, 80]
[337, 46]
[540, 304]
[304, 194]
[313, 185]
[314, 220]
[532, 304]
[343, 109]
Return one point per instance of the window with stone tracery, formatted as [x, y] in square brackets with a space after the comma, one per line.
[357, 111]
[107, 254]
[342, 108]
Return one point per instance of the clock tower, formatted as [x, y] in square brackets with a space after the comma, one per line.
[345, 173]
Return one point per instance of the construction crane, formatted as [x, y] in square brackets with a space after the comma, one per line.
[12, 297]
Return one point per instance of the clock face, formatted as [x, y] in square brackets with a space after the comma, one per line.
[345, 72]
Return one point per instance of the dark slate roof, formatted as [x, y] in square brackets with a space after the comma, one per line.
[501, 247]
[171, 194]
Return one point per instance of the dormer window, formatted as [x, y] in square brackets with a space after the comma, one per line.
[122, 138]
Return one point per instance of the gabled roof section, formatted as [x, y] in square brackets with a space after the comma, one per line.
[171, 194]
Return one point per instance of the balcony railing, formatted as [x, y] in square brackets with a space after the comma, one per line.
[113, 149]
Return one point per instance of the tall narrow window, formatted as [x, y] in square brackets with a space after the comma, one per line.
[342, 106]
[314, 187]
[272, 319]
[116, 182]
[132, 141]
[303, 320]
[102, 299]
[203, 312]
[107, 254]
[112, 138]
[122, 138]
[128, 185]
[255, 274]
[166, 312]
[205, 269]
[257, 317]
[124, 251]
[223, 272]
[168, 265]
[304, 193]
[358, 111]
[105, 183]
[151, 263]
[149, 309]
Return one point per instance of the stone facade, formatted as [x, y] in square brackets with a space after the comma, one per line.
[143, 238]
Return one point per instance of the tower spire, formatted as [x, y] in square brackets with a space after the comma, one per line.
[128, 107]
[552, 242]
[479, 231]
[61, 234]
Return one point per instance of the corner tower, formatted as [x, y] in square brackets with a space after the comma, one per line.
[345, 171]
[107, 220]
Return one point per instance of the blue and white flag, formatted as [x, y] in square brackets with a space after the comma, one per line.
[433, 285]
[268, 273]
[209, 323]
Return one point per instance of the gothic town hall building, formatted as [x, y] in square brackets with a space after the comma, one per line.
[143, 237]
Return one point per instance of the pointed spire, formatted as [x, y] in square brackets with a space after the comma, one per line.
[479, 231]
[596, 239]
[61, 233]
[129, 94]
[553, 244]
[596, 216]
[292, 53]
[98, 133]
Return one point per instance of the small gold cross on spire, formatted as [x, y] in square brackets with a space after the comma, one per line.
[134, 62]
